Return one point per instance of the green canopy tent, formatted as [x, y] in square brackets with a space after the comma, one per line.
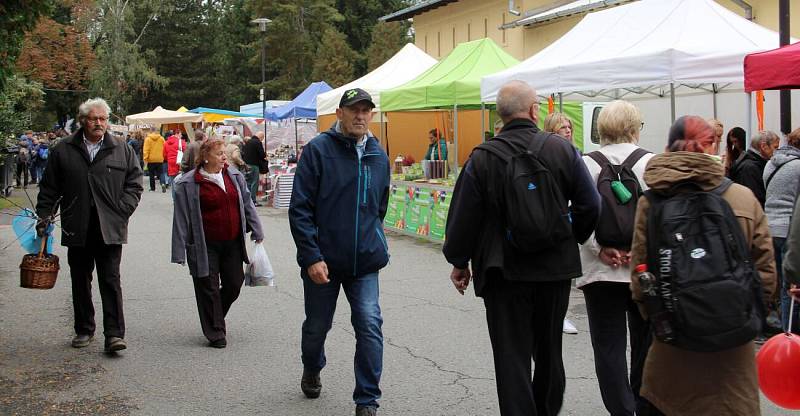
[454, 82]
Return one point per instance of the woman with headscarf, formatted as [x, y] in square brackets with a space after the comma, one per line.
[679, 381]
[213, 213]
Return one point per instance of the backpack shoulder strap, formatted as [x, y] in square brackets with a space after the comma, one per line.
[777, 168]
[634, 158]
[538, 141]
[495, 146]
[719, 190]
[599, 157]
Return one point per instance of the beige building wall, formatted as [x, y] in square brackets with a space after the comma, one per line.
[439, 30]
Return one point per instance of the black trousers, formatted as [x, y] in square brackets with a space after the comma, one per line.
[216, 292]
[82, 261]
[525, 320]
[22, 171]
[612, 313]
[156, 170]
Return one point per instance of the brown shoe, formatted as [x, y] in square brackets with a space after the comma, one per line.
[114, 344]
[81, 341]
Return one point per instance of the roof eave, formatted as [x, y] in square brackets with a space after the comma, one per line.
[414, 10]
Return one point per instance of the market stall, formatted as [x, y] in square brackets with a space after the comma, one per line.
[649, 50]
[776, 69]
[302, 107]
[449, 92]
[160, 116]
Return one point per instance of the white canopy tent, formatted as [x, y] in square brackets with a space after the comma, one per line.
[161, 116]
[641, 46]
[405, 65]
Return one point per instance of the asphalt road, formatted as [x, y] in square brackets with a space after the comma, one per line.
[437, 356]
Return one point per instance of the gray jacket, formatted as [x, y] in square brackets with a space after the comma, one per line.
[188, 238]
[782, 189]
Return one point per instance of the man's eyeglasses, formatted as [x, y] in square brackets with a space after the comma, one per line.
[96, 120]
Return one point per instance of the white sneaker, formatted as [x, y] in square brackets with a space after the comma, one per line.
[569, 327]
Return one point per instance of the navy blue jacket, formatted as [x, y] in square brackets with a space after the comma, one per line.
[338, 204]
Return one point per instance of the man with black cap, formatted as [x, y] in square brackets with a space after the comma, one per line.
[339, 199]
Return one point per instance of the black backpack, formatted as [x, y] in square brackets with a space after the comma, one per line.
[615, 226]
[705, 282]
[534, 211]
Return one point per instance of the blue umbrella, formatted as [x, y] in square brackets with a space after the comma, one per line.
[24, 225]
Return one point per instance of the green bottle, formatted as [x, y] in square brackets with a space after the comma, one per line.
[621, 192]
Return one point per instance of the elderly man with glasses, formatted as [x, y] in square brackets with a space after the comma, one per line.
[94, 179]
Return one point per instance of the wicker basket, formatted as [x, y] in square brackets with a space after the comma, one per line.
[39, 271]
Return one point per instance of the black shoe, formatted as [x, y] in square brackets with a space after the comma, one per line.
[311, 384]
[258, 204]
[163, 189]
[366, 411]
[114, 344]
[81, 341]
[218, 343]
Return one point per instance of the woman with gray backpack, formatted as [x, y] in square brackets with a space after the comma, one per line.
[705, 267]
[617, 168]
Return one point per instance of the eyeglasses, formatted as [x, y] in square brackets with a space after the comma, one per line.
[97, 120]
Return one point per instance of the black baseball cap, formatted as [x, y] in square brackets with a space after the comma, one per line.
[353, 96]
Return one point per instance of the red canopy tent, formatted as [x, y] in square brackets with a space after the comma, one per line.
[778, 69]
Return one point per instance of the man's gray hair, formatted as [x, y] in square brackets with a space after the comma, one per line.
[764, 136]
[515, 97]
[88, 105]
[199, 135]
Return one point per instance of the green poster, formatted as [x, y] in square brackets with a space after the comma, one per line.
[412, 210]
[424, 201]
[396, 211]
[441, 205]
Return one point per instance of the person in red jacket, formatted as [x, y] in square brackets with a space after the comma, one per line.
[176, 144]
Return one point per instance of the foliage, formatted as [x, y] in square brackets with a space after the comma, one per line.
[123, 70]
[387, 39]
[18, 101]
[59, 56]
[334, 60]
[360, 18]
[16, 17]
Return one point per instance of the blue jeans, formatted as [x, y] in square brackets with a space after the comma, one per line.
[320, 304]
[779, 245]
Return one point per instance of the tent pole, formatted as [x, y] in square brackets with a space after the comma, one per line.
[384, 132]
[455, 135]
[483, 122]
[560, 102]
[714, 98]
[749, 115]
[294, 117]
[672, 100]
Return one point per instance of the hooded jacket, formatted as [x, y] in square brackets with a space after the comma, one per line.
[339, 200]
[170, 151]
[680, 382]
[783, 173]
[749, 171]
[153, 151]
[476, 233]
[72, 183]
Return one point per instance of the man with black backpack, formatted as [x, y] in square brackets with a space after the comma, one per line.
[520, 207]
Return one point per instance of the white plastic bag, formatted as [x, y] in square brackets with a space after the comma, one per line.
[259, 271]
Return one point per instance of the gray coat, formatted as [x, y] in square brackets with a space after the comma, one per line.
[188, 238]
[782, 189]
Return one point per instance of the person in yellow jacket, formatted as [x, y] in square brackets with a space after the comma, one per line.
[153, 154]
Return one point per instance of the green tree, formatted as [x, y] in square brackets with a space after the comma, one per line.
[387, 39]
[123, 71]
[359, 19]
[17, 17]
[335, 59]
[19, 100]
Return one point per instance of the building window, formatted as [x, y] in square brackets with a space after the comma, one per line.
[454, 37]
[439, 44]
[504, 32]
[485, 28]
[469, 32]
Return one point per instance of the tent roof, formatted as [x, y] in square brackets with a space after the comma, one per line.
[645, 43]
[404, 66]
[454, 80]
[771, 70]
[302, 106]
[213, 115]
[161, 116]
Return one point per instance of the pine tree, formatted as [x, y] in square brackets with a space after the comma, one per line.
[387, 39]
[335, 59]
